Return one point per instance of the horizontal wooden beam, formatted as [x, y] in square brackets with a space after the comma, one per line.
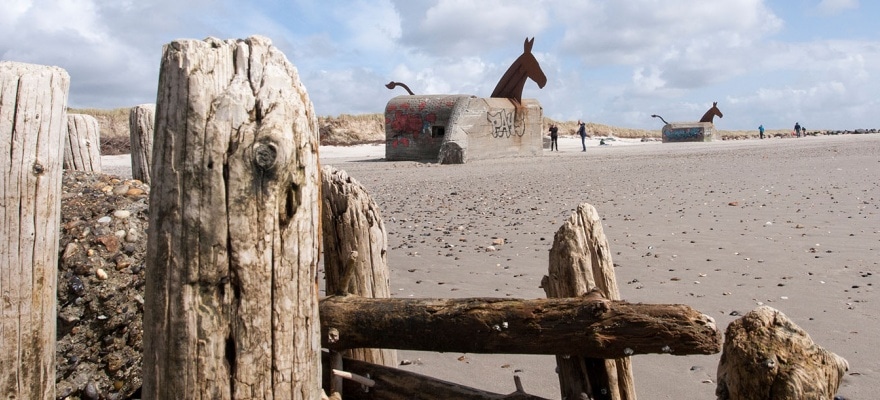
[399, 384]
[586, 326]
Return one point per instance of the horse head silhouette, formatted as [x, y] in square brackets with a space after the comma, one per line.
[525, 67]
[710, 115]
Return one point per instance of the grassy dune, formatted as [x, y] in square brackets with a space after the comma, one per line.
[348, 129]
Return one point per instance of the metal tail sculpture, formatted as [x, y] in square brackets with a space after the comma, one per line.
[391, 85]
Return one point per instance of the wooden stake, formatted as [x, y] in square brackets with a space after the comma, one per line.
[231, 295]
[580, 265]
[33, 123]
[355, 248]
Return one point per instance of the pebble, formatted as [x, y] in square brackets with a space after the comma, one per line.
[122, 214]
[132, 236]
[121, 190]
[104, 220]
[91, 391]
[101, 274]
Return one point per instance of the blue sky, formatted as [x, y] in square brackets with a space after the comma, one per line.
[770, 62]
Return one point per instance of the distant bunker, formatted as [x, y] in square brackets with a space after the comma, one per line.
[455, 129]
[689, 132]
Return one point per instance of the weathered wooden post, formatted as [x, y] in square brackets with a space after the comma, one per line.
[231, 289]
[140, 130]
[580, 264]
[82, 144]
[33, 103]
[766, 356]
[355, 248]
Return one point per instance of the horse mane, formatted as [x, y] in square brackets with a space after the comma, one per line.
[391, 85]
[514, 79]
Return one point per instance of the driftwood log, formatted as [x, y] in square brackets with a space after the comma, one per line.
[82, 144]
[231, 289]
[398, 384]
[576, 326]
[580, 265]
[355, 253]
[33, 100]
[766, 356]
[140, 131]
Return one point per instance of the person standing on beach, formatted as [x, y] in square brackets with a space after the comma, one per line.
[797, 129]
[554, 135]
[582, 130]
[761, 130]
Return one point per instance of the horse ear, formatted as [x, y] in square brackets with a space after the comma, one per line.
[527, 46]
[714, 104]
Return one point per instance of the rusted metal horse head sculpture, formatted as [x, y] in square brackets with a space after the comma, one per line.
[710, 115]
[525, 67]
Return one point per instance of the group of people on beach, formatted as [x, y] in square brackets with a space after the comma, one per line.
[554, 136]
[799, 130]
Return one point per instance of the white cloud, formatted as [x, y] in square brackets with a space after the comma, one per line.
[643, 31]
[833, 7]
[468, 28]
[607, 61]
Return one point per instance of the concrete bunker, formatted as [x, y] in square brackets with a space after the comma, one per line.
[454, 129]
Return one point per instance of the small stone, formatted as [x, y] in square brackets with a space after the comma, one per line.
[111, 242]
[132, 236]
[101, 274]
[491, 248]
[104, 220]
[122, 263]
[76, 285]
[122, 214]
[91, 391]
[498, 241]
[133, 192]
[405, 362]
[69, 251]
[121, 190]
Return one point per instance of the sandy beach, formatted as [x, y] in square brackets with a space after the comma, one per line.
[722, 227]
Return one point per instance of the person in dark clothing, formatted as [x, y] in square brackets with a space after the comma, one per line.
[582, 130]
[797, 129]
[761, 130]
[554, 135]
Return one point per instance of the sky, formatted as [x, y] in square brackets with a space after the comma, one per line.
[770, 62]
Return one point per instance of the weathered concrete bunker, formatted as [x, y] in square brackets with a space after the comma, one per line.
[454, 129]
[689, 132]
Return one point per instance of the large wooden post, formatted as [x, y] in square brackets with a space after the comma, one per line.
[580, 263]
[82, 144]
[33, 103]
[140, 130]
[231, 292]
[355, 248]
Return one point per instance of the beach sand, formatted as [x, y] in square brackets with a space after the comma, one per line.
[722, 227]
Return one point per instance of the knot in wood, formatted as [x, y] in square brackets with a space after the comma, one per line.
[265, 155]
[38, 168]
[332, 335]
